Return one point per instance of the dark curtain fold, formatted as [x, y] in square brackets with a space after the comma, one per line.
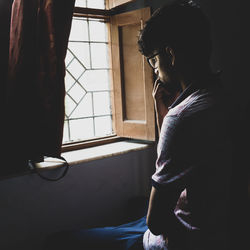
[39, 34]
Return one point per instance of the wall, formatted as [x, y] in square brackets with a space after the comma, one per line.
[229, 54]
[92, 194]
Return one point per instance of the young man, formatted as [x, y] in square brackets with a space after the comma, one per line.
[188, 207]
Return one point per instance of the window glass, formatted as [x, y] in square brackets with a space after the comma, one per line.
[80, 51]
[97, 49]
[94, 80]
[101, 103]
[97, 31]
[79, 30]
[94, 4]
[81, 3]
[85, 107]
[81, 129]
[103, 125]
[76, 68]
[87, 84]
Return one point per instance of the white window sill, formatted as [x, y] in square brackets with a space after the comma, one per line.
[93, 153]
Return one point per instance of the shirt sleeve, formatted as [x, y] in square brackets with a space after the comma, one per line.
[174, 164]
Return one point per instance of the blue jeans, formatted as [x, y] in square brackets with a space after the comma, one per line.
[126, 236]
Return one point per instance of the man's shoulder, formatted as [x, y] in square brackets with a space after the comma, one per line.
[199, 101]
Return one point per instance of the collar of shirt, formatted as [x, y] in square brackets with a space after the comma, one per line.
[186, 92]
[210, 81]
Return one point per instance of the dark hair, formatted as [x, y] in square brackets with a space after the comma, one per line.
[181, 26]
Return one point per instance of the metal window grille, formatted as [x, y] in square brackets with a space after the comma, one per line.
[87, 101]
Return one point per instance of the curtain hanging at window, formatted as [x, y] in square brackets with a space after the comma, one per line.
[39, 34]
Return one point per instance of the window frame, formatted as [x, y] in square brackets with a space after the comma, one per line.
[106, 15]
[141, 124]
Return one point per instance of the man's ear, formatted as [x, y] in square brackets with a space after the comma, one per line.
[171, 55]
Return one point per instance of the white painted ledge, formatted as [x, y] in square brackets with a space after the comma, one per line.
[93, 153]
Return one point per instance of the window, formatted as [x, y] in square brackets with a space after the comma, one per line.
[87, 81]
[108, 83]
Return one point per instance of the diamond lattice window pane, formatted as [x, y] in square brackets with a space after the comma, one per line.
[98, 61]
[68, 58]
[70, 105]
[79, 30]
[94, 80]
[103, 126]
[102, 103]
[84, 108]
[69, 81]
[81, 129]
[87, 83]
[77, 92]
[98, 31]
[81, 51]
[76, 68]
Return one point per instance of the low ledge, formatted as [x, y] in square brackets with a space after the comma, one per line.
[93, 153]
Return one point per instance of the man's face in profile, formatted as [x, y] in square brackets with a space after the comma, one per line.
[158, 62]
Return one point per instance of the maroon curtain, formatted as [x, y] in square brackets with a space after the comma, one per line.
[39, 34]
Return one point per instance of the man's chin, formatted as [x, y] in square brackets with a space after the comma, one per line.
[171, 86]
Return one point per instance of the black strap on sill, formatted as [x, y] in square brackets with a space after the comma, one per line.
[32, 165]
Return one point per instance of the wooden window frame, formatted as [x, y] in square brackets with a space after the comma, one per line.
[116, 93]
[124, 79]
[92, 13]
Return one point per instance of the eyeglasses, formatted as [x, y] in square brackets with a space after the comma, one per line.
[152, 60]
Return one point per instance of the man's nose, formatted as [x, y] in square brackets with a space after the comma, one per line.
[156, 71]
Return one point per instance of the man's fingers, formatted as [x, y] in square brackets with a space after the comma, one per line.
[156, 83]
[159, 88]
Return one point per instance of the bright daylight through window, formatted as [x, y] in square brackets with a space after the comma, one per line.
[87, 81]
